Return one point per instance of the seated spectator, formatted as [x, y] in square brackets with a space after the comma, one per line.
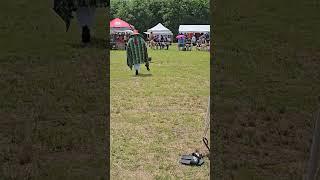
[162, 43]
[169, 40]
[188, 44]
[166, 43]
[125, 38]
[181, 44]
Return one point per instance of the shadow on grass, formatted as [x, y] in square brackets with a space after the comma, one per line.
[142, 75]
[97, 43]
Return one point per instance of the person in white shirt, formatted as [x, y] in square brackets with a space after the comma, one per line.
[194, 40]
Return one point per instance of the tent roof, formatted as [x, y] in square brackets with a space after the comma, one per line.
[112, 31]
[119, 23]
[159, 29]
[194, 28]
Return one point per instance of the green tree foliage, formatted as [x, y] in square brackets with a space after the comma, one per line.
[144, 14]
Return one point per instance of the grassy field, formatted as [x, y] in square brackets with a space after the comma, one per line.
[52, 95]
[158, 115]
[266, 87]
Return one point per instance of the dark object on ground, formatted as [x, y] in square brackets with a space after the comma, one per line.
[147, 66]
[194, 159]
[197, 158]
[137, 72]
[86, 37]
[206, 143]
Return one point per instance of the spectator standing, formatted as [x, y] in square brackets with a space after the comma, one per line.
[194, 40]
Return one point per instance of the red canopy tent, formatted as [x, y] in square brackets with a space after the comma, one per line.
[118, 24]
[118, 31]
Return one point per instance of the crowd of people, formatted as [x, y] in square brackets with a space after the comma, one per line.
[119, 40]
[186, 41]
[159, 41]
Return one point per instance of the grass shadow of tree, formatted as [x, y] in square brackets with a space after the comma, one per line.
[142, 75]
[96, 43]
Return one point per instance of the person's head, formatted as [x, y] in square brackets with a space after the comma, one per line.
[135, 33]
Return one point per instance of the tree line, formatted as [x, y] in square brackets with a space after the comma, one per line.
[144, 14]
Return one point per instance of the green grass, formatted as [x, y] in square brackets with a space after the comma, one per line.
[52, 95]
[266, 87]
[158, 115]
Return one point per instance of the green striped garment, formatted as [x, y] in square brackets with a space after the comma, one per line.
[136, 51]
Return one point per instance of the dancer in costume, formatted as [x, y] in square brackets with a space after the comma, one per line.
[137, 52]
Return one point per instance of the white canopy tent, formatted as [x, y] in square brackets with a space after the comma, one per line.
[159, 29]
[194, 29]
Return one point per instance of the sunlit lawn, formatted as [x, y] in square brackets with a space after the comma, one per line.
[158, 115]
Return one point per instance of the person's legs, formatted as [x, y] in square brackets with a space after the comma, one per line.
[147, 65]
[85, 16]
[137, 68]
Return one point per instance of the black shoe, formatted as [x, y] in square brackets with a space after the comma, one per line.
[137, 72]
[147, 66]
[85, 34]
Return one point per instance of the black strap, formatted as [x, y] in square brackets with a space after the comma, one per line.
[206, 143]
[199, 156]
